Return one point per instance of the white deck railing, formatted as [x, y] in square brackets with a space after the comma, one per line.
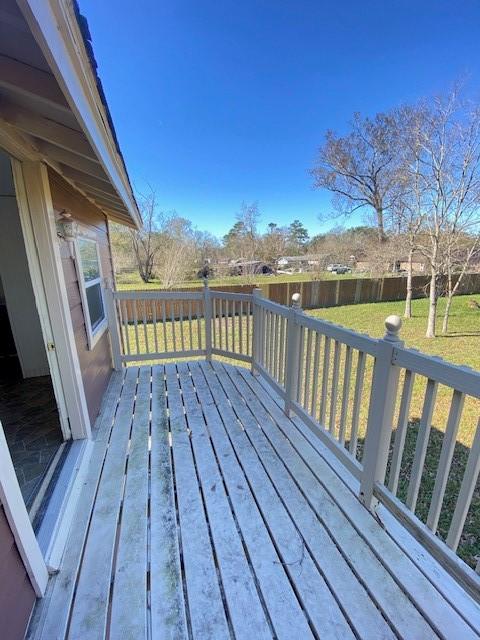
[354, 392]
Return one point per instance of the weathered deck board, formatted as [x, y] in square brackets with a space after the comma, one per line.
[210, 514]
[129, 597]
[205, 604]
[323, 611]
[168, 617]
[90, 607]
[450, 589]
[401, 569]
[51, 617]
[363, 614]
[244, 605]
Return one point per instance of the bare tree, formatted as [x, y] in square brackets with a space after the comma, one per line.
[457, 261]
[144, 243]
[248, 218]
[447, 166]
[362, 168]
[176, 250]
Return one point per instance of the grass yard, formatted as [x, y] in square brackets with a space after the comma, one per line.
[131, 281]
[461, 346]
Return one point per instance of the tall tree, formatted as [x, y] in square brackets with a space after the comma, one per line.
[446, 163]
[362, 168]
[298, 235]
[144, 244]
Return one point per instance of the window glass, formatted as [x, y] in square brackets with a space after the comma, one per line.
[95, 305]
[89, 258]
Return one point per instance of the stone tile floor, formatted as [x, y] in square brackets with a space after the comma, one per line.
[28, 412]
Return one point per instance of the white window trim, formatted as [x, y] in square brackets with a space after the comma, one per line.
[93, 336]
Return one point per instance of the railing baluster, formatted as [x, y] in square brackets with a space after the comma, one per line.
[357, 403]
[180, 314]
[281, 378]
[401, 431]
[240, 330]
[154, 320]
[465, 495]
[334, 388]
[250, 336]
[325, 370]
[270, 343]
[135, 325]
[422, 444]
[299, 371]
[345, 394]
[145, 328]
[164, 320]
[198, 313]
[219, 314]
[307, 388]
[190, 331]
[445, 461]
[232, 325]
[316, 363]
[172, 314]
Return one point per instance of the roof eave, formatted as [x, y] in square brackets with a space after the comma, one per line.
[55, 27]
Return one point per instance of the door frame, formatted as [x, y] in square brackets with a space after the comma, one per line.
[37, 218]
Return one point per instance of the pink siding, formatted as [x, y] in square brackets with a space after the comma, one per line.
[17, 596]
[95, 365]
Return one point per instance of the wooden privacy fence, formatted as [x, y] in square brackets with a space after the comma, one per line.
[352, 391]
[325, 293]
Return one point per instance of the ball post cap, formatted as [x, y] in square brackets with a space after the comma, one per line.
[296, 298]
[393, 324]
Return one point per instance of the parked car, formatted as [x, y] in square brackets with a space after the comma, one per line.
[338, 268]
[341, 269]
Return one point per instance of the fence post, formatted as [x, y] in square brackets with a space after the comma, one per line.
[207, 303]
[293, 353]
[113, 329]
[380, 415]
[256, 329]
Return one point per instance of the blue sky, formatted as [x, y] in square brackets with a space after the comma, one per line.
[219, 101]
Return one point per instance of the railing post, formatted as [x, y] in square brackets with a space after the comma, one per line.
[207, 302]
[113, 329]
[256, 329]
[293, 353]
[380, 415]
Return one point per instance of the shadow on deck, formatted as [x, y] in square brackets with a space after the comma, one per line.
[207, 513]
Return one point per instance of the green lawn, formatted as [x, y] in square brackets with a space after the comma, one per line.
[133, 280]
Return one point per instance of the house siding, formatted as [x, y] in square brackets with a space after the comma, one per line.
[95, 364]
[17, 596]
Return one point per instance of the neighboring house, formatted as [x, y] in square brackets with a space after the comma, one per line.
[62, 179]
[307, 262]
[249, 267]
[419, 263]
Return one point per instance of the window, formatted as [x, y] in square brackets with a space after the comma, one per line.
[90, 281]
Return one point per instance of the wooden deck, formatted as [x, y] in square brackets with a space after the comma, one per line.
[209, 514]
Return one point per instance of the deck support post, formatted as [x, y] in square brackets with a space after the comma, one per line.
[380, 415]
[293, 354]
[256, 329]
[113, 329]
[207, 303]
